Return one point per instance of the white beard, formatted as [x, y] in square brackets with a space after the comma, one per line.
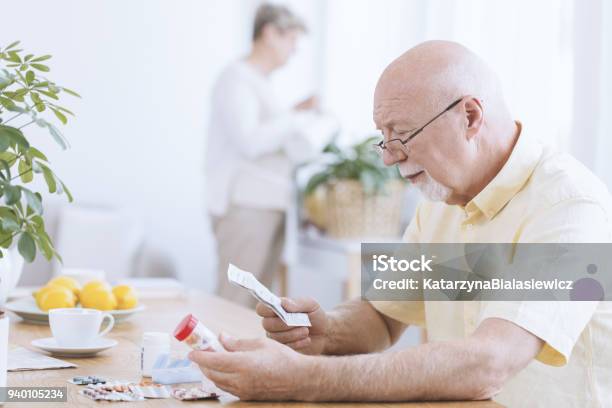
[432, 190]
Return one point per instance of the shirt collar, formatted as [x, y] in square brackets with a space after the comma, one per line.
[510, 179]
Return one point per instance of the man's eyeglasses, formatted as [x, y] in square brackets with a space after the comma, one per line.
[381, 146]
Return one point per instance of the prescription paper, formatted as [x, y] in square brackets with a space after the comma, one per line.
[249, 282]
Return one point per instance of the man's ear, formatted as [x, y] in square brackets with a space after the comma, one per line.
[474, 116]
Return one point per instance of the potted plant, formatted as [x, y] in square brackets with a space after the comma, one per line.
[27, 98]
[354, 195]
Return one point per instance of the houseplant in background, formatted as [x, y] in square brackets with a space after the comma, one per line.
[27, 98]
[354, 195]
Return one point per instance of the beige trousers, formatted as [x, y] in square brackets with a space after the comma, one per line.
[253, 240]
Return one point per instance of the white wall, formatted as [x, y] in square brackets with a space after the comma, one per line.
[144, 69]
[527, 43]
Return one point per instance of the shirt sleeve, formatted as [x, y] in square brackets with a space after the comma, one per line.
[409, 311]
[559, 324]
[238, 107]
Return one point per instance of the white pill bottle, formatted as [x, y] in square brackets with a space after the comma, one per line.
[197, 336]
[153, 345]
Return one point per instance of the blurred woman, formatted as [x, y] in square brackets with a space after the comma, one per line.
[248, 155]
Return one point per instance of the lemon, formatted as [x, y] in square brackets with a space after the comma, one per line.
[126, 297]
[39, 293]
[67, 282]
[99, 298]
[56, 297]
[96, 284]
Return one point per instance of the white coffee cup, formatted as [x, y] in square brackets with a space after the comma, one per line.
[77, 327]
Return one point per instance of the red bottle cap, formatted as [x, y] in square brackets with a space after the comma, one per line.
[185, 327]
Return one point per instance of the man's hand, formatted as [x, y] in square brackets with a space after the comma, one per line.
[307, 340]
[254, 369]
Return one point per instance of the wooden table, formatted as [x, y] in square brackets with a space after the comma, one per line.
[123, 361]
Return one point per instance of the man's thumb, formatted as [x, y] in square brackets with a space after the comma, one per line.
[300, 305]
[233, 344]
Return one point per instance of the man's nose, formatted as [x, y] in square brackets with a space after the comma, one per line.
[390, 157]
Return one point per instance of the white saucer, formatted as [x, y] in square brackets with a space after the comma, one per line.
[50, 345]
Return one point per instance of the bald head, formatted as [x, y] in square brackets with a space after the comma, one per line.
[435, 73]
[462, 147]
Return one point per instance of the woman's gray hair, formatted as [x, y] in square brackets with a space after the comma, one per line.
[279, 16]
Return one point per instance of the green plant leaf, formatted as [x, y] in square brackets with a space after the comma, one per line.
[15, 135]
[44, 244]
[35, 97]
[7, 212]
[8, 156]
[317, 180]
[49, 94]
[29, 77]
[21, 92]
[61, 108]
[5, 142]
[34, 152]
[357, 162]
[18, 97]
[25, 171]
[6, 240]
[70, 91]
[41, 58]
[6, 79]
[43, 241]
[331, 147]
[40, 121]
[12, 45]
[34, 201]
[68, 193]
[12, 194]
[7, 103]
[57, 135]
[7, 168]
[40, 67]
[60, 116]
[10, 224]
[14, 57]
[27, 246]
[49, 178]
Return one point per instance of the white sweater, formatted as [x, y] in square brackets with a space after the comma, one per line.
[253, 143]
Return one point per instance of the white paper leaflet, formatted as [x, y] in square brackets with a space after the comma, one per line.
[247, 281]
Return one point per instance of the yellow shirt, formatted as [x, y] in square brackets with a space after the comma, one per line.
[538, 196]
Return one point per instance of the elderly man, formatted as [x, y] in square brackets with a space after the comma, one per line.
[447, 128]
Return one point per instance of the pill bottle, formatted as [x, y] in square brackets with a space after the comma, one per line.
[153, 345]
[193, 333]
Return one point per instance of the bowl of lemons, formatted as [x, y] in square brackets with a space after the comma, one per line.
[64, 292]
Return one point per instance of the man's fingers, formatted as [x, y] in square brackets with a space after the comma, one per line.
[221, 379]
[274, 324]
[264, 311]
[300, 305]
[289, 336]
[300, 344]
[217, 360]
[233, 344]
